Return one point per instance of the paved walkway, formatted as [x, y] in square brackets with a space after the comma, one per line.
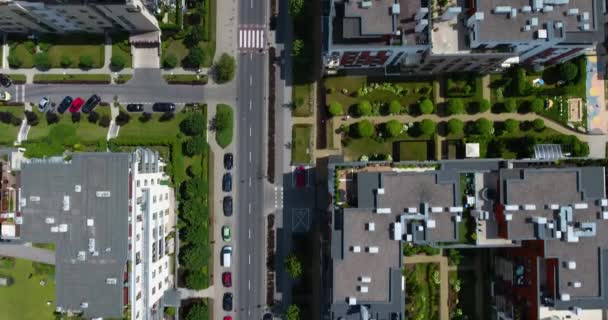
[185, 293]
[27, 252]
[444, 313]
[226, 28]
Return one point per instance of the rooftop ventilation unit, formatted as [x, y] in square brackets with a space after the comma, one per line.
[511, 207]
[111, 281]
[365, 279]
[383, 210]
[603, 202]
[90, 222]
[49, 220]
[82, 256]
[537, 5]
[396, 9]
[54, 229]
[363, 289]
[571, 265]
[542, 34]
[91, 244]
[397, 232]
[604, 215]
[585, 27]
[436, 209]
[534, 21]
[34, 198]
[572, 12]
[508, 217]
[585, 16]
[548, 9]
[63, 227]
[502, 10]
[576, 284]
[581, 206]
[456, 209]
[102, 194]
[380, 191]
[371, 226]
[366, 4]
[526, 9]
[557, 2]
[412, 210]
[540, 220]
[77, 188]
[352, 301]
[513, 13]
[373, 249]
[431, 224]
[66, 203]
[553, 206]
[564, 297]
[530, 207]
[84, 305]
[356, 249]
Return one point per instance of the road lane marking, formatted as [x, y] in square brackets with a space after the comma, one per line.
[250, 104]
[251, 4]
[249, 258]
[249, 208]
[249, 156]
[249, 182]
[241, 40]
[250, 80]
[261, 39]
[249, 284]
[249, 233]
[250, 132]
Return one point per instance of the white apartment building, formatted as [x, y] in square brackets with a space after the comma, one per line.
[151, 220]
[46, 16]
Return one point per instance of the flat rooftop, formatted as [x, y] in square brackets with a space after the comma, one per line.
[82, 207]
[361, 21]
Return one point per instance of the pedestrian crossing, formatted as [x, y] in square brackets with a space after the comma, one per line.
[19, 95]
[251, 38]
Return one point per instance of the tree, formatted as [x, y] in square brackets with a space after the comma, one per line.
[118, 62]
[455, 126]
[538, 124]
[393, 128]
[568, 71]
[195, 35]
[194, 146]
[511, 125]
[454, 257]
[293, 266]
[93, 117]
[195, 57]
[170, 61]
[394, 107]
[296, 47]
[14, 61]
[537, 105]
[426, 106]
[166, 116]
[295, 7]
[65, 61]
[75, 117]
[42, 61]
[199, 311]
[223, 121]
[86, 61]
[145, 117]
[51, 117]
[194, 124]
[455, 106]
[427, 127]
[335, 109]
[31, 117]
[362, 129]
[196, 280]
[520, 82]
[104, 121]
[511, 105]
[293, 312]
[225, 68]
[484, 127]
[122, 118]
[484, 105]
[364, 108]
[6, 117]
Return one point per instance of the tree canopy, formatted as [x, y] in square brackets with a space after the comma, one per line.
[484, 126]
[427, 127]
[335, 109]
[426, 106]
[455, 126]
[293, 266]
[225, 68]
[362, 129]
[364, 108]
[393, 128]
[455, 106]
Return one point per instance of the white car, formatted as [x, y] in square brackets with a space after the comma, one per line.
[43, 104]
[5, 96]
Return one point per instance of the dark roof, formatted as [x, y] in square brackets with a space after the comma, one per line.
[97, 226]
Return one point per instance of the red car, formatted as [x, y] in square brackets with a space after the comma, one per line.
[300, 175]
[76, 104]
[227, 318]
[227, 279]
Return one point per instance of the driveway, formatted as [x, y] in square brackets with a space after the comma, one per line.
[145, 57]
[27, 252]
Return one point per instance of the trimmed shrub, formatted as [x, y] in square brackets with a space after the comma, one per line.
[393, 128]
[484, 127]
[484, 105]
[170, 61]
[335, 109]
[511, 125]
[364, 108]
[511, 105]
[568, 71]
[455, 126]
[118, 62]
[93, 117]
[123, 118]
[42, 61]
[538, 124]
[85, 61]
[537, 105]
[394, 107]
[225, 68]
[65, 61]
[426, 106]
[51, 117]
[362, 129]
[104, 121]
[427, 127]
[455, 106]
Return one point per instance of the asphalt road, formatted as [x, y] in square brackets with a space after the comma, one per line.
[147, 86]
[250, 291]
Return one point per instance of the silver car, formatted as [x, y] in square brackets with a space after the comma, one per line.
[43, 104]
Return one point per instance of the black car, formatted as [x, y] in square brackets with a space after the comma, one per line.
[267, 316]
[163, 107]
[91, 103]
[65, 104]
[228, 161]
[227, 182]
[227, 301]
[5, 81]
[135, 107]
[227, 206]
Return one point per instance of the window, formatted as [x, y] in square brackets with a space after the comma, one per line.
[153, 274]
[138, 183]
[154, 290]
[137, 279]
[154, 199]
[137, 298]
[137, 237]
[166, 196]
[160, 285]
[166, 212]
[154, 216]
[158, 180]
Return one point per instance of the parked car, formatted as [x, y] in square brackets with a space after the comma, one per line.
[300, 177]
[227, 206]
[227, 279]
[5, 81]
[228, 161]
[5, 96]
[76, 104]
[267, 316]
[65, 104]
[226, 256]
[227, 182]
[135, 107]
[163, 107]
[91, 103]
[227, 301]
[227, 317]
[226, 233]
[43, 104]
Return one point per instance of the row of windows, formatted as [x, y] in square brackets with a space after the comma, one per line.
[152, 181]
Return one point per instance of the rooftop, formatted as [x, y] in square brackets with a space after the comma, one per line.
[82, 207]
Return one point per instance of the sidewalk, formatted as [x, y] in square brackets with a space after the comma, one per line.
[226, 26]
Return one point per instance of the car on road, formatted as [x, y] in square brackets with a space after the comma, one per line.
[267, 316]
[135, 107]
[227, 301]
[76, 104]
[227, 279]
[300, 176]
[5, 81]
[227, 317]
[228, 161]
[65, 104]
[227, 206]
[226, 233]
[163, 107]
[44, 104]
[227, 182]
[5, 96]
[226, 256]
[91, 103]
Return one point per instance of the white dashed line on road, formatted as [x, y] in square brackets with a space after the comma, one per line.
[249, 208]
[250, 80]
[249, 182]
[249, 233]
[250, 104]
[249, 258]
[250, 131]
[249, 156]
[249, 284]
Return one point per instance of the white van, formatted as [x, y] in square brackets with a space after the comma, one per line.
[226, 256]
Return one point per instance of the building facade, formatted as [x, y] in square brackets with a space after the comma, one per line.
[110, 216]
[402, 37]
[545, 226]
[75, 16]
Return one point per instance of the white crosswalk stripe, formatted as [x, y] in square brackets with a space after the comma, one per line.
[251, 38]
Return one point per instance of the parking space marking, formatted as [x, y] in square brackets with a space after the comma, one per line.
[249, 182]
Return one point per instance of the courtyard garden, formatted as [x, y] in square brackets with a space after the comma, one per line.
[121, 52]
[422, 291]
[83, 51]
[301, 149]
[10, 121]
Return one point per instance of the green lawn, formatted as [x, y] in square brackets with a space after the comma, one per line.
[9, 132]
[413, 150]
[422, 293]
[172, 46]
[192, 79]
[355, 148]
[85, 131]
[301, 100]
[21, 50]
[223, 135]
[301, 149]
[26, 299]
[123, 78]
[119, 49]
[153, 129]
[17, 78]
[72, 78]
[75, 51]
